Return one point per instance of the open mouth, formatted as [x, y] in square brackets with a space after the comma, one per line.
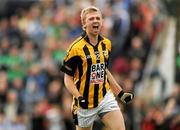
[95, 27]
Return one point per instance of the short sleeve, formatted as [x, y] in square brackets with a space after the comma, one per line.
[70, 62]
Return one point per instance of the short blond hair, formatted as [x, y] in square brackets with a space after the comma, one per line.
[87, 10]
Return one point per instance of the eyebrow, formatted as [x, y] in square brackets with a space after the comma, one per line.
[97, 17]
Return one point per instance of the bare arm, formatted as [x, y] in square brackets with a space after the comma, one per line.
[125, 97]
[69, 83]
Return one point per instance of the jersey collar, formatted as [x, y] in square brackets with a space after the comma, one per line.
[86, 38]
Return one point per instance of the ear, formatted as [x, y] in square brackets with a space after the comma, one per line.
[84, 27]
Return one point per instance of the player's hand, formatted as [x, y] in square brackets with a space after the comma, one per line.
[83, 102]
[125, 97]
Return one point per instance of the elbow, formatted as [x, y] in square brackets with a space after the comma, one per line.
[67, 79]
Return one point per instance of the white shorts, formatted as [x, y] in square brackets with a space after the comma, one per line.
[86, 117]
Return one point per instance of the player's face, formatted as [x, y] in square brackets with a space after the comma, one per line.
[93, 23]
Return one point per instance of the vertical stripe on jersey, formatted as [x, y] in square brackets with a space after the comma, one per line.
[104, 88]
[80, 68]
[96, 86]
[89, 62]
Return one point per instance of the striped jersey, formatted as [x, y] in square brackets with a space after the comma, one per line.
[87, 63]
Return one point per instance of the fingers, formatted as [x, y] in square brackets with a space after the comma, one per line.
[125, 97]
[83, 102]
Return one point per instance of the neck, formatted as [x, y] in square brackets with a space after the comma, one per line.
[93, 38]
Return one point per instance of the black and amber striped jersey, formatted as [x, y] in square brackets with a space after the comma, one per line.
[87, 64]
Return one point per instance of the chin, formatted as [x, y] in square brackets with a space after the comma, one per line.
[96, 33]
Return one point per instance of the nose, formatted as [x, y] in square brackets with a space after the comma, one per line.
[96, 21]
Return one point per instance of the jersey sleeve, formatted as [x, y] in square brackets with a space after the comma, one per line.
[70, 62]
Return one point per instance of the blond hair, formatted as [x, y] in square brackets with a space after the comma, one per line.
[87, 10]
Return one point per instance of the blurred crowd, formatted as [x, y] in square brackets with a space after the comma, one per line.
[33, 42]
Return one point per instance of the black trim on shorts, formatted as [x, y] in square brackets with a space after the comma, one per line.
[102, 114]
[75, 119]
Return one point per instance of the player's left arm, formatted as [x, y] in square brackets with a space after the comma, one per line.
[125, 97]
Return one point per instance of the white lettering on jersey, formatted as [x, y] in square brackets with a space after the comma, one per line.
[97, 73]
[97, 55]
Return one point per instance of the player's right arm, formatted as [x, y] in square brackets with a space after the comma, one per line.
[69, 67]
[69, 83]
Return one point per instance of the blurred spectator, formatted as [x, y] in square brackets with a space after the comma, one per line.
[3, 27]
[136, 49]
[12, 106]
[3, 87]
[14, 33]
[32, 95]
[120, 28]
[14, 62]
[28, 52]
[67, 100]
[36, 75]
[55, 119]
[34, 28]
[38, 119]
[19, 124]
[55, 92]
[47, 63]
[135, 69]
[5, 46]
[18, 86]
[121, 65]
